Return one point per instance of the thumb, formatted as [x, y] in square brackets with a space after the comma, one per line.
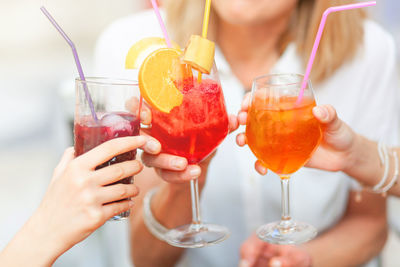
[327, 116]
[67, 157]
[250, 251]
[337, 134]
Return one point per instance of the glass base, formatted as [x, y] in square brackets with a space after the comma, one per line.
[196, 235]
[122, 216]
[286, 232]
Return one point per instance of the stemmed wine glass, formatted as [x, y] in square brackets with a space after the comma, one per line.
[193, 130]
[282, 133]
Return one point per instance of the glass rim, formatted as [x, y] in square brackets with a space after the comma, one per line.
[107, 81]
[301, 76]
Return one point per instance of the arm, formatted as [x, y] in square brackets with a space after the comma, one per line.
[358, 237]
[76, 203]
[364, 225]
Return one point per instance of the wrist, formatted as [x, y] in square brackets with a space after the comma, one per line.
[363, 162]
[49, 245]
[170, 203]
[34, 243]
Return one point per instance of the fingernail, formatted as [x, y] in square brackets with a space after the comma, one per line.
[244, 263]
[152, 146]
[178, 163]
[275, 263]
[320, 112]
[131, 203]
[195, 172]
[263, 169]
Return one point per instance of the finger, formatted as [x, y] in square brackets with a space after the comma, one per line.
[165, 161]
[116, 172]
[177, 177]
[327, 115]
[233, 123]
[133, 105]
[67, 157]
[250, 250]
[110, 149]
[241, 139]
[113, 209]
[152, 146]
[246, 102]
[117, 192]
[260, 168]
[278, 262]
[242, 117]
[271, 250]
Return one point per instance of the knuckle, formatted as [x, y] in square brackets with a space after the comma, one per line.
[119, 171]
[95, 215]
[122, 190]
[120, 208]
[79, 182]
[88, 198]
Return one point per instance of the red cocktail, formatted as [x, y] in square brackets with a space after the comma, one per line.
[195, 128]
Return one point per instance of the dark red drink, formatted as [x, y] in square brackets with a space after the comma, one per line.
[88, 135]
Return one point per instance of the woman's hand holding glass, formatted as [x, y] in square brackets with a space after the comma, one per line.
[78, 200]
[173, 169]
[335, 152]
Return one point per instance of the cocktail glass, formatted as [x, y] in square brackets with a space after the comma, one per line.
[283, 134]
[194, 130]
[114, 120]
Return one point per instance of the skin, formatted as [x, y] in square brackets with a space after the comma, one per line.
[247, 33]
[77, 202]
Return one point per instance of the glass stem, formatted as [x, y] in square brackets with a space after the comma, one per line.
[285, 217]
[194, 193]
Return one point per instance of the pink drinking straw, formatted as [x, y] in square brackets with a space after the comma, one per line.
[160, 21]
[318, 39]
[77, 61]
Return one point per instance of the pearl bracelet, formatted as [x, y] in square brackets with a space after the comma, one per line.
[151, 223]
[380, 187]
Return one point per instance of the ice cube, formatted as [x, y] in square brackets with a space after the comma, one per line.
[116, 122]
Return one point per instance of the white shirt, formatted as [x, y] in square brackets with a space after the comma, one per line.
[364, 94]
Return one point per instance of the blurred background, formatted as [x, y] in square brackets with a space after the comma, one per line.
[37, 74]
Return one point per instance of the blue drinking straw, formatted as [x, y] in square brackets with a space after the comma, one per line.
[77, 61]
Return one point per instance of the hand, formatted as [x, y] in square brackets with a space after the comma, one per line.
[77, 201]
[257, 253]
[334, 153]
[173, 169]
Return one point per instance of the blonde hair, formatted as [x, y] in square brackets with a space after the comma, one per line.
[342, 36]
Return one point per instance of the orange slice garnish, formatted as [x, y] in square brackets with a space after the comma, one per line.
[141, 49]
[157, 76]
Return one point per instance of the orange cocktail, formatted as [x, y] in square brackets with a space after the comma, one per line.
[282, 135]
